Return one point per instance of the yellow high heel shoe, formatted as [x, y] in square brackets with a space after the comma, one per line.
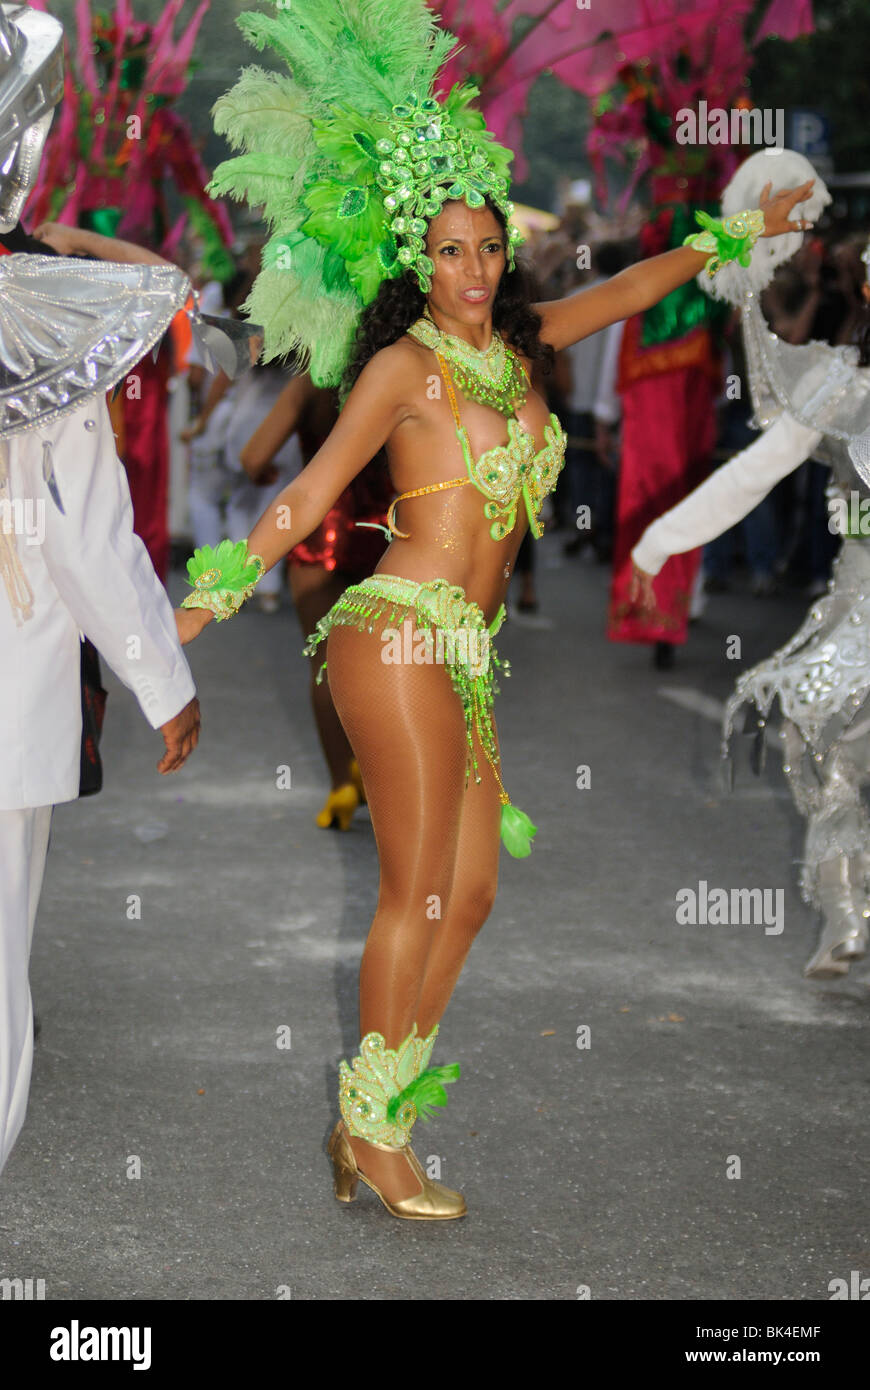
[339, 808]
[434, 1201]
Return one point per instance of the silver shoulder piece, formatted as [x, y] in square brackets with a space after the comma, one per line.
[70, 330]
[31, 85]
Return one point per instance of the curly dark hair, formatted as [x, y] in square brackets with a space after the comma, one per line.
[400, 302]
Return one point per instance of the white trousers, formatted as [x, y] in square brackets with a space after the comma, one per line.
[23, 847]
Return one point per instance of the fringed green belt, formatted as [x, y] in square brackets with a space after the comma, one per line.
[462, 642]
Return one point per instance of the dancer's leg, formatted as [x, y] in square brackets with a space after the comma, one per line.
[407, 729]
[314, 591]
[472, 894]
[836, 854]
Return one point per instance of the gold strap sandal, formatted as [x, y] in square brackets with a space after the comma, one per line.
[434, 1202]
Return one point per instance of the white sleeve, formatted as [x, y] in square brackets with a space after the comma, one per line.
[101, 568]
[728, 495]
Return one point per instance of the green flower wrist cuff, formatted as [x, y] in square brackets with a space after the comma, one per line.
[732, 239]
[223, 578]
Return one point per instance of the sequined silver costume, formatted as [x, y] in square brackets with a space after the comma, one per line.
[811, 400]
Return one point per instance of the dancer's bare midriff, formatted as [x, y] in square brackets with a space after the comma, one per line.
[449, 535]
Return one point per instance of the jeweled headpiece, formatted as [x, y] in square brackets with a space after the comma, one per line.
[31, 85]
[350, 157]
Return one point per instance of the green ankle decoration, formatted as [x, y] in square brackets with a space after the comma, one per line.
[426, 1092]
[732, 239]
[223, 578]
[384, 1091]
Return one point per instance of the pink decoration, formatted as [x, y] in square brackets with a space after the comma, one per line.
[787, 19]
[93, 153]
[588, 48]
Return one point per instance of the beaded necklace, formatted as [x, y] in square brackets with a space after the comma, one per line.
[494, 376]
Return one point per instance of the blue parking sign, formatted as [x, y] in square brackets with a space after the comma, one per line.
[810, 132]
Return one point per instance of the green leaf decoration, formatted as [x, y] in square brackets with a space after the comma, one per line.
[355, 201]
[387, 252]
[365, 143]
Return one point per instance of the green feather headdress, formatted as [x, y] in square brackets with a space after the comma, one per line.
[350, 156]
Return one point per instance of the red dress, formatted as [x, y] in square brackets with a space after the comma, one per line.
[338, 543]
[145, 453]
[669, 376]
[668, 434]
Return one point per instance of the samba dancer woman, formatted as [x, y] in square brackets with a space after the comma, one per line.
[392, 262]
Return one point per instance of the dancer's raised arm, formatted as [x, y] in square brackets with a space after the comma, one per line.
[567, 320]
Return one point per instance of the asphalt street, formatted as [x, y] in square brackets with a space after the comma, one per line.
[648, 1109]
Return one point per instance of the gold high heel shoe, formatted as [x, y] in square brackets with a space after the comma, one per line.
[434, 1202]
[339, 808]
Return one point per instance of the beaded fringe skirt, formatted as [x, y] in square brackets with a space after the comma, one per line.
[446, 629]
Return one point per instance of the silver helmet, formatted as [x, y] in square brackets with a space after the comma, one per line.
[31, 85]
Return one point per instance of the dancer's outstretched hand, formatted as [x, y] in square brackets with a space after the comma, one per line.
[641, 591]
[181, 735]
[776, 208]
[190, 623]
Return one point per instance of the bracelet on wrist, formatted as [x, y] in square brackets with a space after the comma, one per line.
[223, 578]
[732, 239]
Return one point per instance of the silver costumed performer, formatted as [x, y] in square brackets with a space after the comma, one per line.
[70, 563]
[810, 401]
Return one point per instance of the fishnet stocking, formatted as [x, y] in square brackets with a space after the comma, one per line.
[314, 591]
[437, 842]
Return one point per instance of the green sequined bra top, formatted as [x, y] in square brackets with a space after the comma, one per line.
[508, 472]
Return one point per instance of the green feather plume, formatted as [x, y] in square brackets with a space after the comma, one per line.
[426, 1092]
[226, 567]
[306, 156]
